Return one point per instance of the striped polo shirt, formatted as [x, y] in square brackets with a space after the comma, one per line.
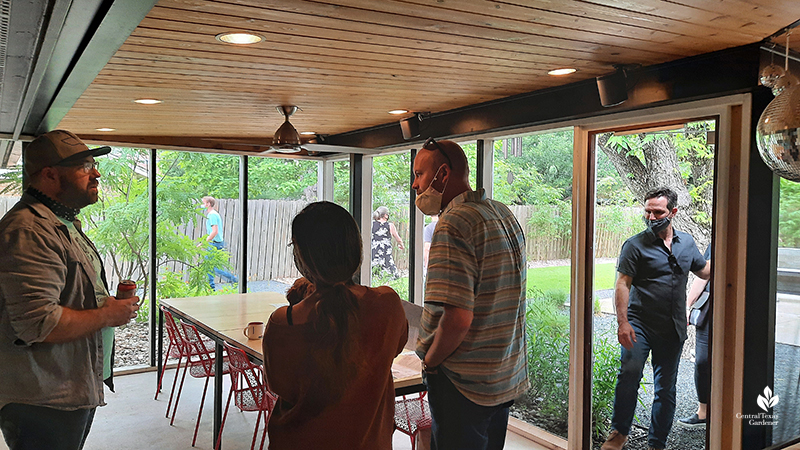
[477, 262]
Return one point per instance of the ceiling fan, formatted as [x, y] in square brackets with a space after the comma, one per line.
[287, 140]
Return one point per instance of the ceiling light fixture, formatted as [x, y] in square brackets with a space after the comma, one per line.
[562, 71]
[397, 112]
[410, 125]
[308, 133]
[105, 129]
[286, 139]
[147, 101]
[239, 38]
[613, 88]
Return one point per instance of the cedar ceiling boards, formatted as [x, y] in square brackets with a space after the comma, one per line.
[345, 63]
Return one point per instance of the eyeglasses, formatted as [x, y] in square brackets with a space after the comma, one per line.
[87, 166]
[673, 264]
[429, 141]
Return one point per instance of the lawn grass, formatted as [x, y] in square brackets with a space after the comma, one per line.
[557, 277]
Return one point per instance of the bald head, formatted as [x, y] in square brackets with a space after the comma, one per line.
[443, 166]
[450, 153]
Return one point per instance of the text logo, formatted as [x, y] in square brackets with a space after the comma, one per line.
[767, 400]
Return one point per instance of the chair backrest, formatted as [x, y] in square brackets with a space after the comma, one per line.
[197, 348]
[252, 386]
[173, 332]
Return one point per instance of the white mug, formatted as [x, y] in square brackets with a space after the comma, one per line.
[254, 330]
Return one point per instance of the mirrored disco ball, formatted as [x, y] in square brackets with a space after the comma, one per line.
[783, 83]
[770, 75]
[778, 134]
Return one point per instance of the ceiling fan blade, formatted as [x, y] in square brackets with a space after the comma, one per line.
[327, 148]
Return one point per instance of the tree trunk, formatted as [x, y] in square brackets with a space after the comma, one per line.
[661, 167]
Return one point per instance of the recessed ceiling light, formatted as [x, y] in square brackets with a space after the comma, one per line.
[308, 133]
[105, 129]
[563, 71]
[239, 37]
[398, 111]
[147, 101]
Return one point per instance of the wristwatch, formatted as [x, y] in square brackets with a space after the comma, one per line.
[429, 369]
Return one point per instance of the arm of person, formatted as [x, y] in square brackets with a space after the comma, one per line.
[426, 250]
[697, 288]
[622, 292]
[74, 324]
[214, 232]
[705, 272]
[396, 236]
[453, 327]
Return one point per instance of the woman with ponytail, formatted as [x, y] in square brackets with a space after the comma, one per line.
[329, 354]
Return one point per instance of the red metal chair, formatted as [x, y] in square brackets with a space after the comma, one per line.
[177, 348]
[412, 415]
[249, 391]
[202, 366]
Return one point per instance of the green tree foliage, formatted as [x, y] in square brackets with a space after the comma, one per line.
[681, 160]
[789, 227]
[534, 169]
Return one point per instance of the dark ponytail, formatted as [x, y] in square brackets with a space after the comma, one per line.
[328, 250]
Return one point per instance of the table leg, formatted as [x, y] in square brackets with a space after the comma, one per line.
[217, 394]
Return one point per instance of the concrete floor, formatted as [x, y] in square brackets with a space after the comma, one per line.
[132, 420]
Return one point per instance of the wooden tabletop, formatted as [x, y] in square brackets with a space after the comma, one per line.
[224, 317]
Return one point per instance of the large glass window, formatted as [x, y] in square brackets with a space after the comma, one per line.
[628, 165]
[784, 402]
[278, 190]
[390, 222]
[118, 224]
[197, 192]
[533, 176]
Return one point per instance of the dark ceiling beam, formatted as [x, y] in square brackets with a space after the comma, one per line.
[714, 74]
[113, 22]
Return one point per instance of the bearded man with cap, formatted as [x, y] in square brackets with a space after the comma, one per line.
[650, 300]
[54, 301]
[472, 330]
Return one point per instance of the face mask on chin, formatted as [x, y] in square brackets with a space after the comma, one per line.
[430, 201]
[658, 225]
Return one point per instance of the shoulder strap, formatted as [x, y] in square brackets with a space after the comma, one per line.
[289, 315]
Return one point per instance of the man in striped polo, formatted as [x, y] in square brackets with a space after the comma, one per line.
[472, 336]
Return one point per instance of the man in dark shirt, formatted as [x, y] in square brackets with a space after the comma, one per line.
[650, 298]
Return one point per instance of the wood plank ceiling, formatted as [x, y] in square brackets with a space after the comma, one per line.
[346, 63]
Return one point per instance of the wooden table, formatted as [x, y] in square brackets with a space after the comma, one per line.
[223, 317]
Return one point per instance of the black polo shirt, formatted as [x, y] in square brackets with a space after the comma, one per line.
[658, 295]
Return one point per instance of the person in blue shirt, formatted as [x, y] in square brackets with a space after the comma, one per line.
[650, 299]
[215, 239]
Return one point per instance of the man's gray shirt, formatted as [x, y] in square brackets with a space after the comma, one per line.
[41, 271]
[658, 293]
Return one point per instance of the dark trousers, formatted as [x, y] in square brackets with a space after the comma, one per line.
[460, 424]
[701, 366]
[666, 356]
[29, 427]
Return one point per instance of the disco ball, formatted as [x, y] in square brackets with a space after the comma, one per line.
[783, 83]
[770, 75]
[778, 134]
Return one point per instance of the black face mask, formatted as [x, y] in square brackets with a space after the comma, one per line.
[657, 225]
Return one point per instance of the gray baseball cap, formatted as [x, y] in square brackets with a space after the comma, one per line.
[57, 147]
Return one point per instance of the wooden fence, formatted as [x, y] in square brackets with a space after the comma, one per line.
[269, 233]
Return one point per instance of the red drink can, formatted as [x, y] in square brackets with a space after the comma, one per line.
[126, 289]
